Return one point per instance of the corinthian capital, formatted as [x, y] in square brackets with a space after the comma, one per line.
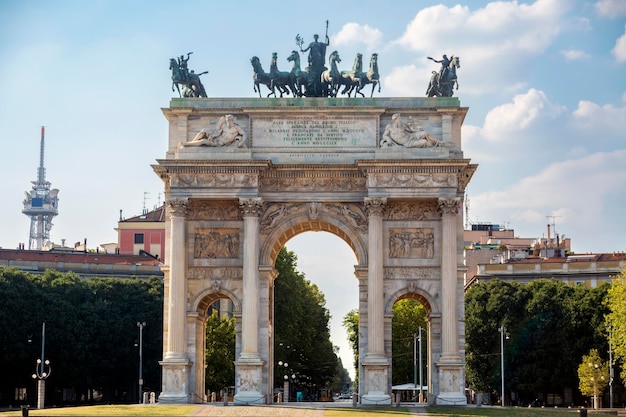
[251, 207]
[449, 206]
[375, 206]
[178, 207]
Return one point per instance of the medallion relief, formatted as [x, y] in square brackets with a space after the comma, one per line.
[216, 243]
[411, 243]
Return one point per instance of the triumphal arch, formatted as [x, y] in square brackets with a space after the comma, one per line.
[244, 175]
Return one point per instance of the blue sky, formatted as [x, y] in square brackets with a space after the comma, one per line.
[544, 81]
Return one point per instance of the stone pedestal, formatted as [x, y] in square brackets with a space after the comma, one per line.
[175, 389]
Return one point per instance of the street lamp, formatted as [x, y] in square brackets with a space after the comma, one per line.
[40, 371]
[503, 334]
[418, 339]
[286, 383]
[141, 326]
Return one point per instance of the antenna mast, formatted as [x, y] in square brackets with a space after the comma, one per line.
[41, 204]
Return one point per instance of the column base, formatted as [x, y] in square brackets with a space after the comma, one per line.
[248, 381]
[175, 383]
[451, 382]
[376, 398]
[249, 398]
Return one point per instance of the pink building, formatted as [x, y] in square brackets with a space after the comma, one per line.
[143, 234]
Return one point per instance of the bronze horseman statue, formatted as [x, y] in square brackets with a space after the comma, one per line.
[442, 83]
[192, 86]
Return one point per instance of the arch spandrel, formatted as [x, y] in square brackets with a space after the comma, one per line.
[327, 220]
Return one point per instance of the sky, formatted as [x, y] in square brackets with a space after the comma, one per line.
[544, 82]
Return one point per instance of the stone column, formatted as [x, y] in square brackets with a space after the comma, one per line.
[375, 318]
[175, 362]
[249, 365]
[375, 364]
[449, 208]
[177, 296]
[450, 366]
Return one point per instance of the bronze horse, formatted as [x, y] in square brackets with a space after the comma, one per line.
[444, 86]
[331, 78]
[299, 78]
[370, 77]
[280, 80]
[192, 86]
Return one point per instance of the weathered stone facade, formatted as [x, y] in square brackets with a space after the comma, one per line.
[387, 175]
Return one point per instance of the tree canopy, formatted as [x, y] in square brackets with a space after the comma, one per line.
[302, 332]
[538, 317]
[91, 334]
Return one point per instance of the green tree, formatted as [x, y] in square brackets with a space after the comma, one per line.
[616, 319]
[91, 333]
[351, 324]
[408, 316]
[220, 353]
[538, 317]
[593, 376]
[302, 333]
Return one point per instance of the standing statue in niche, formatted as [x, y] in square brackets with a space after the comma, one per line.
[189, 80]
[226, 133]
[317, 62]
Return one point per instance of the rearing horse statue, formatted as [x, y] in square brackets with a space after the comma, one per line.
[370, 77]
[331, 78]
[192, 86]
[444, 86]
[299, 78]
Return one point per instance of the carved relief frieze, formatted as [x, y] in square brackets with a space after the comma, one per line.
[399, 179]
[412, 243]
[419, 210]
[339, 183]
[215, 274]
[354, 213]
[209, 210]
[214, 180]
[409, 273]
[216, 243]
[273, 213]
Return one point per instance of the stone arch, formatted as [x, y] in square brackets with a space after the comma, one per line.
[296, 224]
[197, 319]
[427, 299]
[205, 298]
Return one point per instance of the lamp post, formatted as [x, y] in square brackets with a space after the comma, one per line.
[417, 345]
[141, 326]
[286, 383]
[503, 334]
[40, 371]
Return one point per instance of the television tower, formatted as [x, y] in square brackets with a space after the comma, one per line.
[41, 205]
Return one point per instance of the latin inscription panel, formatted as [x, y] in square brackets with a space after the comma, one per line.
[318, 131]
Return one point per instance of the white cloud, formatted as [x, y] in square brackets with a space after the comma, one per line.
[352, 34]
[619, 51]
[518, 115]
[611, 8]
[580, 191]
[601, 121]
[574, 54]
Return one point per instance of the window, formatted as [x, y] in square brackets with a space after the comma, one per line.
[138, 238]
